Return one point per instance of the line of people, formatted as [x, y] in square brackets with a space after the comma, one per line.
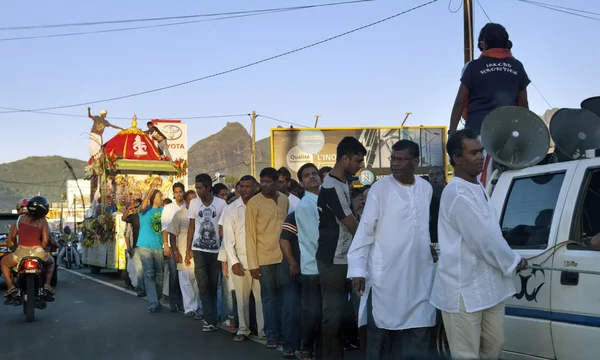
[323, 273]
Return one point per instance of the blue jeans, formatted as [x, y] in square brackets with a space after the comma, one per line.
[270, 292]
[137, 262]
[153, 265]
[291, 319]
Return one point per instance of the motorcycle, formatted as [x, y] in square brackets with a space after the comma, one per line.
[29, 281]
[70, 249]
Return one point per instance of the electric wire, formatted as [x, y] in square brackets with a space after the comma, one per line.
[239, 67]
[282, 121]
[105, 22]
[561, 9]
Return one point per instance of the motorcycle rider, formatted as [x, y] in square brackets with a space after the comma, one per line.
[67, 236]
[34, 236]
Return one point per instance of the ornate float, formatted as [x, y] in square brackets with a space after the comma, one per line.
[124, 172]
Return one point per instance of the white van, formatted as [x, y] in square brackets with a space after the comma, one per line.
[555, 314]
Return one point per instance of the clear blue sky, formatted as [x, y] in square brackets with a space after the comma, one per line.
[372, 77]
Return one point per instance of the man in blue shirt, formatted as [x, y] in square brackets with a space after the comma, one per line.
[307, 222]
[150, 246]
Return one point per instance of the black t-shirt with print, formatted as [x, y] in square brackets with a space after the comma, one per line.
[492, 83]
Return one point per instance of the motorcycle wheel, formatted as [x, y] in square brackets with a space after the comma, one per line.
[29, 304]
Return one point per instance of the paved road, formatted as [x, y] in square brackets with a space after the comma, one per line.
[89, 320]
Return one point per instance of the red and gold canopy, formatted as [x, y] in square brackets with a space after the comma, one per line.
[132, 144]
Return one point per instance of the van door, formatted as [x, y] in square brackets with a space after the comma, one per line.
[527, 201]
[576, 296]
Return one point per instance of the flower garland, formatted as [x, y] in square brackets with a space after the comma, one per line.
[181, 167]
[110, 164]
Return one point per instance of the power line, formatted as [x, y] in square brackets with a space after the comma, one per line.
[282, 121]
[125, 118]
[239, 67]
[133, 28]
[457, 9]
[562, 9]
[105, 22]
[482, 9]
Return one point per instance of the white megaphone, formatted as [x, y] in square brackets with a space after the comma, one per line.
[515, 138]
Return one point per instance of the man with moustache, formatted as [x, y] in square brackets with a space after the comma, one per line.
[390, 261]
[474, 274]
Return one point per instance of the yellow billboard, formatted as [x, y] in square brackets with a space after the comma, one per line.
[293, 147]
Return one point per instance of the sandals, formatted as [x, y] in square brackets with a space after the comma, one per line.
[305, 355]
[49, 289]
[240, 338]
[289, 355]
[271, 344]
[10, 291]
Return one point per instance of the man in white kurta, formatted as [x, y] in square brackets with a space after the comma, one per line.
[474, 273]
[234, 238]
[178, 229]
[391, 254]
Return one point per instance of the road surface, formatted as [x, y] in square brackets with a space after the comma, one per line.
[90, 320]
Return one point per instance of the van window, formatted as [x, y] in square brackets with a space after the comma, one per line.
[529, 209]
[586, 222]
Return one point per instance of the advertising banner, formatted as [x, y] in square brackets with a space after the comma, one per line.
[176, 133]
[293, 148]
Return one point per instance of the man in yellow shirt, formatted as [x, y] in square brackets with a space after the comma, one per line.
[265, 213]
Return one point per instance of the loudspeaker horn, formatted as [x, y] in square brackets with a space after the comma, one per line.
[574, 131]
[592, 104]
[515, 137]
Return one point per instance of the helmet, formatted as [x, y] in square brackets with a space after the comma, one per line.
[38, 207]
[22, 206]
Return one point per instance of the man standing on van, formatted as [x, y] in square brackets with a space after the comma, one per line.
[474, 273]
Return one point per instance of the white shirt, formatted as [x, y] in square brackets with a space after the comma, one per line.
[234, 233]
[178, 226]
[206, 234]
[475, 260]
[391, 250]
[294, 201]
[168, 213]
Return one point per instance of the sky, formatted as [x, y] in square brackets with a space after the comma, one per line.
[372, 77]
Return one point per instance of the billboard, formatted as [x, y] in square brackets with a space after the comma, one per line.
[293, 148]
[176, 133]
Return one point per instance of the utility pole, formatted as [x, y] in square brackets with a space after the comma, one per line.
[468, 29]
[317, 120]
[253, 154]
[74, 215]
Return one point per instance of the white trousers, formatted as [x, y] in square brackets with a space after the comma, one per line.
[95, 145]
[131, 271]
[166, 279]
[243, 285]
[478, 335]
[189, 291]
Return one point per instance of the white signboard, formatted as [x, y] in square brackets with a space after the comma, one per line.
[176, 133]
[74, 194]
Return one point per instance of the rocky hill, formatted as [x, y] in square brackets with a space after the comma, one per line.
[227, 151]
[35, 175]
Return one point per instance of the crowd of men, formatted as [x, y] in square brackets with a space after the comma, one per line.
[334, 269]
[319, 268]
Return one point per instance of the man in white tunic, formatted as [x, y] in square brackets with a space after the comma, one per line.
[390, 261]
[177, 230]
[474, 273]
